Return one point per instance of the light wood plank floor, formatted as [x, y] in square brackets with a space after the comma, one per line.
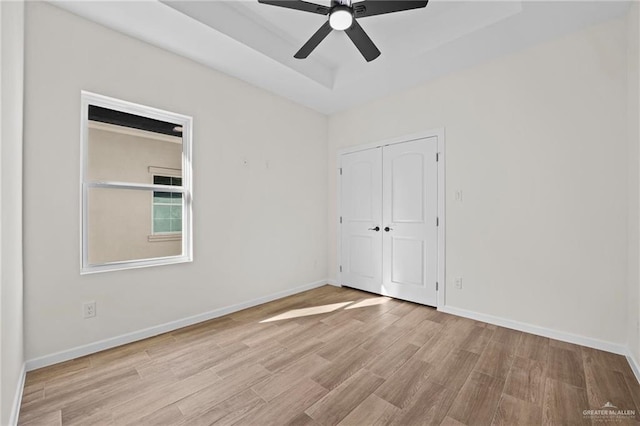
[333, 356]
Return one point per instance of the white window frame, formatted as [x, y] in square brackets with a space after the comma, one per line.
[88, 98]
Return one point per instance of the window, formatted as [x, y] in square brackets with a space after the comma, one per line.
[167, 207]
[132, 154]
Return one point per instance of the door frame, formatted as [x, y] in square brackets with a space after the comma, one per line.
[440, 135]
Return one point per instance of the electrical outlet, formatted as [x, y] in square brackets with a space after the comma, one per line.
[89, 309]
[459, 283]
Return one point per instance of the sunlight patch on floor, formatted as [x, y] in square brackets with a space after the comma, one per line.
[305, 312]
[370, 302]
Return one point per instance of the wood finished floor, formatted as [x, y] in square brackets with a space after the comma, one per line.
[333, 356]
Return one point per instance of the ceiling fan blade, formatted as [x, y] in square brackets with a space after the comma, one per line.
[298, 5]
[314, 41]
[378, 7]
[362, 41]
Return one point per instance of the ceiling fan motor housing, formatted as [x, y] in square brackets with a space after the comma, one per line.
[341, 17]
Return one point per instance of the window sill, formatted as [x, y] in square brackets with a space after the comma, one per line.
[164, 237]
[143, 263]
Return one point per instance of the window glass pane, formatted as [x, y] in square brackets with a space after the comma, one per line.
[125, 149]
[162, 180]
[161, 212]
[162, 197]
[176, 225]
[176, 198]
[167, 207]
[167, 218]
[176, 212]
[162, 225]
[120, 222]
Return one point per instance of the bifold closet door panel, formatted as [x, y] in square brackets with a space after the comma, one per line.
[410, 206]
[361, 212]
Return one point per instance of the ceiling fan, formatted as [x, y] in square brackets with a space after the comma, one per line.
[342, 17]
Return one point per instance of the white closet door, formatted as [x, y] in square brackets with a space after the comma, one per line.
[410, 236]
[361, 211]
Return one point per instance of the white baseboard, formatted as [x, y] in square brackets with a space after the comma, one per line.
[112, 342]
[539, 331]
[634, 365]
[17, 400]
[333, 283]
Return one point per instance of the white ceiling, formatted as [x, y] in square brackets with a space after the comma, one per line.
[256, 42]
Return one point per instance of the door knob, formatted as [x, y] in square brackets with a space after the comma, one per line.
[387, 229]
[377, 228]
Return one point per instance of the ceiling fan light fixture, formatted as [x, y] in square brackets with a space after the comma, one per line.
[340, 18]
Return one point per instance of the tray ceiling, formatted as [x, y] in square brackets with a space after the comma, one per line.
[256, 42]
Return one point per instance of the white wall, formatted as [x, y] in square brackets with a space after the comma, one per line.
[258, 229]
[633, 134]
[537, 143]
[535, 140]
[11, 290]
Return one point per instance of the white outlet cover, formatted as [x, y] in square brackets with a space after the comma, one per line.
[459, 282]
[89, 309]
